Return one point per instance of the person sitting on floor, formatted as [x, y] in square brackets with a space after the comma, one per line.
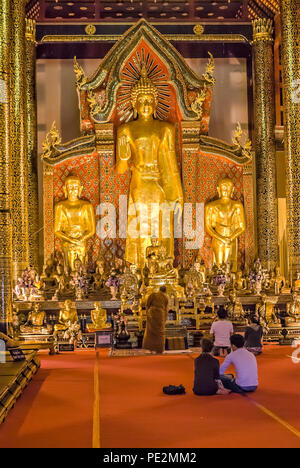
[207, 376]
[245, 365]
[221, 329]
[253, 336]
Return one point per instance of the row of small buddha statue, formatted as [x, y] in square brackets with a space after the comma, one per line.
[36, 322]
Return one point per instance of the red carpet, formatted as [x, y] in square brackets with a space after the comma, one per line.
[57, 408]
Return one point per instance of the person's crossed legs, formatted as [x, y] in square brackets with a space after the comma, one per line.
[229, 382]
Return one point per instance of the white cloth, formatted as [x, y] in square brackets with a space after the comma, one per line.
[222, 330]
[245, 365]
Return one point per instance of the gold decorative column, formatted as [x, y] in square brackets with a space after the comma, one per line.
[31, 130]
[19, 140]
[290, 50]
[5, 154]
[265, 149]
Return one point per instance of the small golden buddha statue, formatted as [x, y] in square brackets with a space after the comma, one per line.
[35, 320]
[99, 318]
[67, 316]
[278, 281]
[293, 308]
[240, 283]
[235, 308]
[200, 267]
[146, 146]
[74, 222]
[225, 222]
[297, 283]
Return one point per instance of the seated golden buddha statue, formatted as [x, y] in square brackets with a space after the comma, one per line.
[235, 309]
[74, 222]
[278, 281]
[147, 146]
[225, 222]
[99, 318]
[35, 320]
[293, 309]
[200, 267]
[63, 283]
[240, 283]
[67, 316]
[297, 283]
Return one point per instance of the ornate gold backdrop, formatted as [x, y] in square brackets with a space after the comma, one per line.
[104, 104]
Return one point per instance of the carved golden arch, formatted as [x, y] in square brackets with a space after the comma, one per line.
[107, 78]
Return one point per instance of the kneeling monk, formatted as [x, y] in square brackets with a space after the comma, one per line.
[157, 312]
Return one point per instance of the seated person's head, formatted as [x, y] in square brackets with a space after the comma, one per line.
[222, 314]
[237, 341]
[163, 289]
[254, 319]
[206, 345]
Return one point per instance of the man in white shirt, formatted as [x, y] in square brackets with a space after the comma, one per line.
[222, 329]
[245, 365]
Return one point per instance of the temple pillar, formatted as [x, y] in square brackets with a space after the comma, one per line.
[5, 159]
[31, 130]
[290, 51]
[19, 141]
[265, 145]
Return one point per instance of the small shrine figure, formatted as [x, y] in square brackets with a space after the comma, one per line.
[293, 308]
[19, 291]
[240, 283]
[67, 316]
[100, 275]
[209, 306]
[119, 265]
[99, 318]
[194, 281]
[47, 277]
[297, 283]
[113, 283]
[235, 309]
[278, 282]
[35, 320]
[152, 256]
[130, 283]
[266, 312]
[79, 279]
[63, 283]
[200, 267]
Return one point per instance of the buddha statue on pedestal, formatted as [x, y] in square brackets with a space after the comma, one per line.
[74, 222]
[293, 309]
[99, 318]
[67, 316]
[146, 146]
[225, 222]
[297, 283]
[35, 320]
[235, 309]
[278, 281]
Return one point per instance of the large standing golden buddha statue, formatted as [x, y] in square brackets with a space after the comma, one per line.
[147, 147]
[74, 222]
[225, 222]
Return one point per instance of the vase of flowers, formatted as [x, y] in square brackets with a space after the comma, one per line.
[113, 283]
[220, 282]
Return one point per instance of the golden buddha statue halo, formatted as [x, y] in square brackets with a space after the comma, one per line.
[74, 222]
[225, 222]
[146, 146]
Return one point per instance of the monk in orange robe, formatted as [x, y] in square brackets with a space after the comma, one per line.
[157, 313]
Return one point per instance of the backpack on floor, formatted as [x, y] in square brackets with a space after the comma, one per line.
[174, 390]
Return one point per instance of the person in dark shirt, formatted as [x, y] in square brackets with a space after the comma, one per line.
[207, 375]
[253, 336]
